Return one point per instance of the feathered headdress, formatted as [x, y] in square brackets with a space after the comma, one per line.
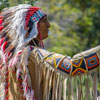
[50, 68]
[15, 22]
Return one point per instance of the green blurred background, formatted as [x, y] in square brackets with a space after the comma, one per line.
[75, 24]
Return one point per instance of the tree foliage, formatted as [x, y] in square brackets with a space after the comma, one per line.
[78, 23]
[8, 3]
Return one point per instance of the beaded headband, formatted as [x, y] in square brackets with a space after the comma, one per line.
[38, 15]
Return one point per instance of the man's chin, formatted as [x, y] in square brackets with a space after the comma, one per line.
[45, 37]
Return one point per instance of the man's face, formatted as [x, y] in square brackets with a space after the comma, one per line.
[44, 28]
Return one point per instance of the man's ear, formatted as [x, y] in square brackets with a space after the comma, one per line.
[27, 33]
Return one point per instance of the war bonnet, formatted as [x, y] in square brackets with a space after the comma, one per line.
[20, 19]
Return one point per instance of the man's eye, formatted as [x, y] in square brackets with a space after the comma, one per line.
[45, 21]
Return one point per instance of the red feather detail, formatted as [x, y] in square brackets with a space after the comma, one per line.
[6, 91]
[1, 20]
[9, 54]
[1, 41]
[19, 53]
[7, 98]
[4, 45]
[0, 67]
[7, 79]
[7, 86]
[7, 73]
[1, 27]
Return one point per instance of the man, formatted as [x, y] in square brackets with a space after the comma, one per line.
[28, 72]
[20, 26]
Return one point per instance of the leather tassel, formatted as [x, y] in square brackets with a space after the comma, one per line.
[76, 89]
[68, 87]
[87, 89]
[57, 86]
[72, 88]
[64, 89]
[79, 89]
[60, 88]
[53, 86]
[91, 79]
[95, 86]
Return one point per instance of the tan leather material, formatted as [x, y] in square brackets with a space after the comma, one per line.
[32, 72]
[43, 81]
[14, 89]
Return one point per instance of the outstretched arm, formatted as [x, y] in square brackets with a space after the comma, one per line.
[81, 63]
